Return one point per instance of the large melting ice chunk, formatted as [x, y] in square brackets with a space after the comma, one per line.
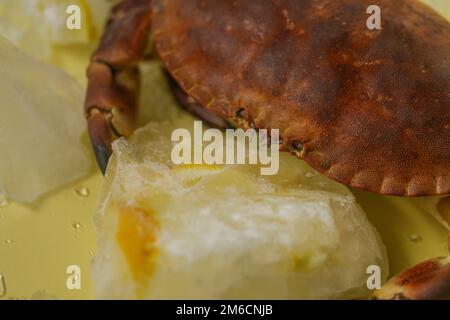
[41, 125]
[209, 232]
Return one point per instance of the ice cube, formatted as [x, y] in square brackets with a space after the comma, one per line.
[41, 127]
[225, 232]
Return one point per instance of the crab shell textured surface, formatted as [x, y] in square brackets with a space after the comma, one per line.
[369, 108]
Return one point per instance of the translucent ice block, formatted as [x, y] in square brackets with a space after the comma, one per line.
[209, 232]
[41, 126]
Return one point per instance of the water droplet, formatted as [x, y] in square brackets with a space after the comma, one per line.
[91, 253]
[76, 225]
[414, 237]
[2, 286]
[83, 192]
[8, 241]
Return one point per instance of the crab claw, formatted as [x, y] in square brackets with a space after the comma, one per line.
[110, 107]
[100, 134]
[113, 77]
[429, 280]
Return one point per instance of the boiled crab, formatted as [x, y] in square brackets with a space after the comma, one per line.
[369, 108]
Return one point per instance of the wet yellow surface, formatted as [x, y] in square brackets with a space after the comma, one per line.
[38, 243]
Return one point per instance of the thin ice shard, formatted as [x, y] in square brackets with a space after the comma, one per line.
[41, 127]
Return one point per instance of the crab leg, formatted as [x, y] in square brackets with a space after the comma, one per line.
[113, 77]
[191, 106]
[429, 280]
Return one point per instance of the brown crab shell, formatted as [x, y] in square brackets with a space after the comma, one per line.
[369, 108]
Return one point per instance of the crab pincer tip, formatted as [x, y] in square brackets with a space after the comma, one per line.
[102, 154]
[101, 136]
